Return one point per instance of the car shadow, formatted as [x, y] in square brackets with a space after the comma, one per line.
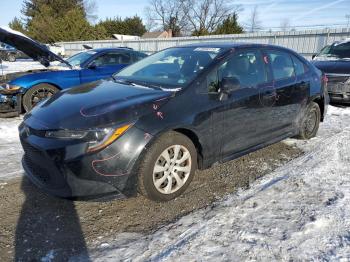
[48, 228]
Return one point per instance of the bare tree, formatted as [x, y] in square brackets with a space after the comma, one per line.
[167, 14]
[285, 24]
[183, 16]
[91, 9]
[254, 23]
[204, 16]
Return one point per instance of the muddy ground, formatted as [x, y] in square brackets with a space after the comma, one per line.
[33, 223]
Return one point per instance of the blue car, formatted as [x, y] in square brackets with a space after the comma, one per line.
[84, 67]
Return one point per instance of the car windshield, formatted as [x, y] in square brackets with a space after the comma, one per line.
[170, 68]
[338, 50]
[80, 58]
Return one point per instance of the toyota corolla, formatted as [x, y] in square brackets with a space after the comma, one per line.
[153, 124]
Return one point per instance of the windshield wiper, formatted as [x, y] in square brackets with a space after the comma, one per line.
[136, 83]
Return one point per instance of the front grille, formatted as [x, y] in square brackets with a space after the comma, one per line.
[42, 167]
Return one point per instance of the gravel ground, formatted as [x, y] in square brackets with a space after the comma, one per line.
[33, 223]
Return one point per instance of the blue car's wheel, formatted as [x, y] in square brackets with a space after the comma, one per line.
[36, 94]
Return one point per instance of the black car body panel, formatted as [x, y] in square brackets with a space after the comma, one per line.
[338, 74]
[221, 129]
[337, 70]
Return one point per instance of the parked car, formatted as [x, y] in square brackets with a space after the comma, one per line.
[334, 60]
[84, 67]
[8, 53]
[57, 49]
[156, 121]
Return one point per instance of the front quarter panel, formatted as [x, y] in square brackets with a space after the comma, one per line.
[61, 79]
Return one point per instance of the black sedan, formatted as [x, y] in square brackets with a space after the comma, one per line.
[334, 61]
[154, 123]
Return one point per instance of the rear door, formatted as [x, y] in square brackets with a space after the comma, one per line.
[290, 88]
[105, 65]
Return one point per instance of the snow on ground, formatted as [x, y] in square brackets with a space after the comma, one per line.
[20, 65]
[10, 148]
[298, 212]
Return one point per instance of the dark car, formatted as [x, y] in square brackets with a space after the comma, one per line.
[81, 68]
[157, 121]
[334, 61]
[9, 53]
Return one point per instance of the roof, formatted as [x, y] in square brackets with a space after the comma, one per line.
[233, 45]
[160, 34]
[110, 49]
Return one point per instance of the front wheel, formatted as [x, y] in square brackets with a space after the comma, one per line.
[36, 94]
[11, 57]
[168, 167]
[310, 122]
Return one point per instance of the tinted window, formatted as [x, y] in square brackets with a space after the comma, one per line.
[173, 67]
[112, 59]
[282, 65]
[139, 56]
[248, 67]
[80, 58]
[340, 50]
[299, 66]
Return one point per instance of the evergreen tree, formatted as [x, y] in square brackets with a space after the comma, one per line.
[229, 26]
[57, 20]
[16, 24]
[127, 26]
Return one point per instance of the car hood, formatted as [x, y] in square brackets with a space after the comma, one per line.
[97, 104]
[31, 48]
[334, 66]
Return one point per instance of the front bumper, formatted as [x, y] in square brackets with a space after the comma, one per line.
[62, 168]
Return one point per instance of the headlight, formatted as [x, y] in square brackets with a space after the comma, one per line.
[7, 88]
[97, 139]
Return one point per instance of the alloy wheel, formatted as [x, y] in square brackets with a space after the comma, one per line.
[40, 95]
[172, 169]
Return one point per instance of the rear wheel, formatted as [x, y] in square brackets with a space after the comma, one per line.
[310, 122]
[36, 94]
[168, 167]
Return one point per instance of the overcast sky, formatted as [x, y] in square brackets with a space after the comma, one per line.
[271, 12]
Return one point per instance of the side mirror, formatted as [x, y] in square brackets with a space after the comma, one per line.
[92, 65]
[313, 56]
[229, 84]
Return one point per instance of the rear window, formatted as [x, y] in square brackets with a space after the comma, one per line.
[299, 67]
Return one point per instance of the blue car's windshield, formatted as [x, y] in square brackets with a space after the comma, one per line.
[80, 58]
[170, 68]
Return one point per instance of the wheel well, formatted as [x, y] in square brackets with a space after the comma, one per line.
[320, 102]
[43, 83]
[195, 140]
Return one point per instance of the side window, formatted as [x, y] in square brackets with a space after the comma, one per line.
[109, 59]
[248, 67]
[282, 65]
[139, 56]
[299, 66]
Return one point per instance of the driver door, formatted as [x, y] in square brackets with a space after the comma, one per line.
[246, 111]
[104, 66]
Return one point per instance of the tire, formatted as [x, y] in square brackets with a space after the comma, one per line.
[155, 185]
[11, 57]
[36, 94]
[310, 122]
